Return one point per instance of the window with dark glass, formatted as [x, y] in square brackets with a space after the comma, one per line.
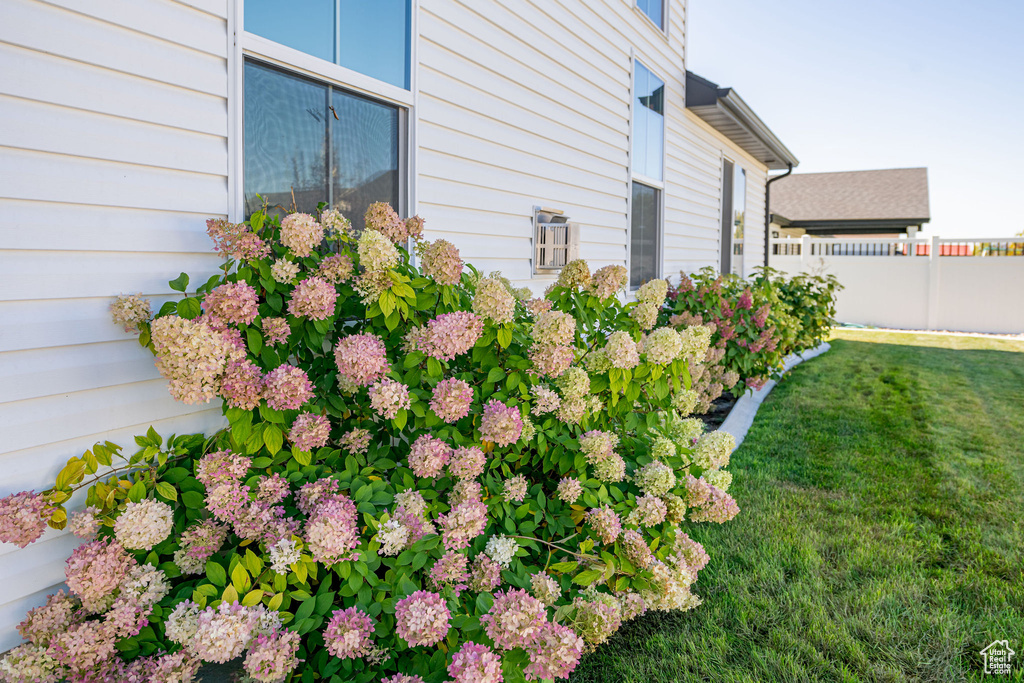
[734, 211]
[307, 142]
[655, 9]
[372, 37]
[648, 122]
[644, 234]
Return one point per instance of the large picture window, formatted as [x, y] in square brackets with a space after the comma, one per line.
[307, 141]
[372, 37]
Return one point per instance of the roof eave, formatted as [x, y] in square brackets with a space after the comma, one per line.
[725, 111]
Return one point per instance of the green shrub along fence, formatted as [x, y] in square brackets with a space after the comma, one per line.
[428, 475]
[755, 323]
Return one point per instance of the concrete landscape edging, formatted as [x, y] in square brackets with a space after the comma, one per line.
[742, 414]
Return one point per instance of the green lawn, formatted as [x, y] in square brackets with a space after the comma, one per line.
[880, 536]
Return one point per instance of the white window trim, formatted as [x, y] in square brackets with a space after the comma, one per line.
[722, 158]
[665, 4]
[642, 179]
[242, 44]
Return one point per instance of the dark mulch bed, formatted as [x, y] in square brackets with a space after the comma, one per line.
[720, 409]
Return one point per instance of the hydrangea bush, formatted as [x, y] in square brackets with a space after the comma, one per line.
[755, 323]
[428, 474]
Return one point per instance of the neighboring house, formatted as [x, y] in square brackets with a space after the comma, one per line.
[125, 125]
[885, 203]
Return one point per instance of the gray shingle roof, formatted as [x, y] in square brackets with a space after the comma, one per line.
[898, 193]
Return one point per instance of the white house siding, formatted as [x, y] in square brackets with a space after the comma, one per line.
[525, 103]
[113, 152]
[694, 201]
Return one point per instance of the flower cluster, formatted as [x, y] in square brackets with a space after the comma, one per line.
[287, 388]
[422, 618]
[144, 524]
[475, 663]
[515, 619]
[23, 518]
[233, 302]
[452, 399]
[428, 456]
[362, 359]
[502, 549]
[301, 233]
[313, 298]
[235, 240]
[387, 397]
[606, 523]
[515, 488]
[131, 311]
[500, 423]
[608, 280]
[197, 544]
[349, 633]
[192, 356]
[450, 335]
[440, 261]
[467, 462]
[310, 431]
[493, 301]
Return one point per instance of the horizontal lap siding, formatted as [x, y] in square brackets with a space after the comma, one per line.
[694, 196]
[113, 153]
[525, 103]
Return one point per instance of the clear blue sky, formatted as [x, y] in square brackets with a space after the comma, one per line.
[885, 84]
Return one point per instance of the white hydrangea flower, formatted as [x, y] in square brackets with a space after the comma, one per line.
[283, 554]
[393, 537]
[182, 623]
[655, 478]
[144, 524]
[502, 549]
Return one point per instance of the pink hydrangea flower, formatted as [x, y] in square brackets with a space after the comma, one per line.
[465, 490]
[197, 544]
[515, 619]
[551, 360]
[276, 330]
[606, 523]
[555, 653]
[402, 678]
[301, 233]
[382, 218]
[235, 240]
[452, 334]
[233, 302]
[23, 518]
[223, 632]
[428, 456]
[467, 463]
[515, 489]
[691, 552]
[720, 508]
[387, 397]
[85, 524]
[608, 280]
[452, 399]
[649, 511]
[636, 549]
[500, 423]
[313, 298]
[440, 261]
[361, 359]
[462, 524]
[315, 492]
[486, 574]
[44, 623]
[422, 618]
[310, 431]
[242, 385]
[569, 490]
[555, 328]
[356, 440]
[451, 570]
[349, 633]
[95, 570]
[475, 663]
[287, 388]
[272, 656]
[331, 531]
[336, 269]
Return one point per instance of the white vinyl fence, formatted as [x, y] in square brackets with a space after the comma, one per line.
[974, 285]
